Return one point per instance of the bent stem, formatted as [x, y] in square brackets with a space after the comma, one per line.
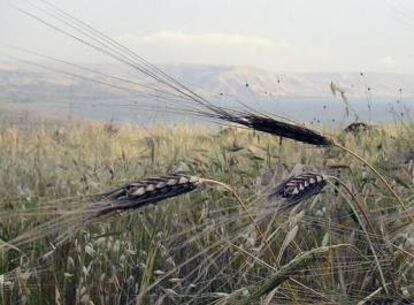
[356, 200]
[361, 223]
[285, 273]
[245, 210]
[259, 231]
[377, 173]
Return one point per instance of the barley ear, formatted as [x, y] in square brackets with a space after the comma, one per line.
[281, 129]
[150, 191]
[296, 189]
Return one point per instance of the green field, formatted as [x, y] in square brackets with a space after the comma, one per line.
[203, 247]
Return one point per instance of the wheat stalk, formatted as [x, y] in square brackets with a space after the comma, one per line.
[301, 187]
[131, 196]
[304, 135]
[287, 271]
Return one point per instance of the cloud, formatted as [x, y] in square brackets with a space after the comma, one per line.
[211, 39]
[210, 48]
[387, 61]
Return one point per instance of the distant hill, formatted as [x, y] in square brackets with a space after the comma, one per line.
[231, 80]
[284, 93]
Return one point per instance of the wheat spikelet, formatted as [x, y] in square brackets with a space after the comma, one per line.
[298, 188]
[280, 128]
[146, 192]
[357, 127]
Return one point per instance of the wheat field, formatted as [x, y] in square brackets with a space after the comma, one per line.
[348, 243]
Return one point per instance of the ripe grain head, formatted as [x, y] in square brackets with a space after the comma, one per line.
[149, 191]
[282, 129]
[297, 189]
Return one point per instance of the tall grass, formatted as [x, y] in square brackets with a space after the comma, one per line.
[204, 248]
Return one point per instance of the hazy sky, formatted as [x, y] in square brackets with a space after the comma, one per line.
[279, 35]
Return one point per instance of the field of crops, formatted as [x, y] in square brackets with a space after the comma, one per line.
[225, 242]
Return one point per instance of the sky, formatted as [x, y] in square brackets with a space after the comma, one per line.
[277, 35]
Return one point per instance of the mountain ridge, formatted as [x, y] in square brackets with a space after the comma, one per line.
[244, 80]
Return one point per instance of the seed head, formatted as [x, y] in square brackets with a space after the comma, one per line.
[147, 191]
[298, 188]
[280, 128]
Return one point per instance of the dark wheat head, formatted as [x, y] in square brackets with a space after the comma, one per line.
[297, 189]
[280, 128]
[148, 191]
[357, 127]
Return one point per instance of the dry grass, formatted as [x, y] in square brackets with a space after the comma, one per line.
[201, 248]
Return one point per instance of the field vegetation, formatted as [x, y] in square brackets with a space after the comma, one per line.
[350, 242]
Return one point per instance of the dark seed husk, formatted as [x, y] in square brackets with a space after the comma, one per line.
[357, 127]
[146, 192]
[297, 189]
[280, 128]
